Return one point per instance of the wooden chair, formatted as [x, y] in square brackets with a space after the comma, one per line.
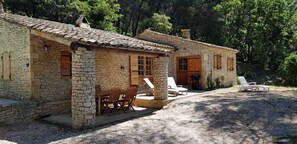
[112, 99]
[129, 98]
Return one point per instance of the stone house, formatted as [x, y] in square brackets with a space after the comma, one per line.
[58, 65]
[214, 65]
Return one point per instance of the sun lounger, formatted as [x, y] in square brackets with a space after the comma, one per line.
[245, 86]
[151, 90]
[172, 85]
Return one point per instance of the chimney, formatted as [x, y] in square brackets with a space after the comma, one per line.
[1, 7]
[186, 33]
[82, 22]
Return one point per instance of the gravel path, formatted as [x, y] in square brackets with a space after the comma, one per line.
[219, 116]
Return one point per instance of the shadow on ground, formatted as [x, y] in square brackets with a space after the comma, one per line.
[37, 132]
[272, 114]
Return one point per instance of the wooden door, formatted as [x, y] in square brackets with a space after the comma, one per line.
[194, 67]
[186, 67]
[181, 71]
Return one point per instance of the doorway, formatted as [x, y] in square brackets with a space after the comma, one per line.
[186, 68]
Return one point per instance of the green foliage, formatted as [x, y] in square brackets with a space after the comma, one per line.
[247, 74]
[288, 69]
[218, 82]
[210, 83]
[263, 30]
[100, 13]
[158, 22]
[56, 10]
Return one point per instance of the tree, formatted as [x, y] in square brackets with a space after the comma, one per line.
[55, 10]
[288, 69]
[158, 22]
[101, 13]
[262, 30]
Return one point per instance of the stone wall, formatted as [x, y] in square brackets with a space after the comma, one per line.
[27, 111]
[160, 68]
[112, 69]
[15, 40]
[47, 84]
[192, 48]
[83, 88]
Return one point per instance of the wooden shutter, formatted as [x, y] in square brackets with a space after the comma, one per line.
[232, 64]
[215, 61]
[6, 66]
[228, 64]
[133, 70]
[194, 64]
[219, 61]
[65, 65]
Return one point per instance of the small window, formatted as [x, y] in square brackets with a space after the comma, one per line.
[148, 66]
[6, 66]
[140, 65]
[65, 65]
[217, 61]
[230, 64]
[183, 64]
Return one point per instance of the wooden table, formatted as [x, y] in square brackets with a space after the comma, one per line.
[101, 95]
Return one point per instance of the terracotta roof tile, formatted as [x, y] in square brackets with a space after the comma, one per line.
[93, 37]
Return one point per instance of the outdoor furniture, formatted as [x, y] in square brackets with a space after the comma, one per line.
[111, 102]
[151, 90]
[245, 86]
[172, 85]
[128, 99]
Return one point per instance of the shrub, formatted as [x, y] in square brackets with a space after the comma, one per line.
[288, 69]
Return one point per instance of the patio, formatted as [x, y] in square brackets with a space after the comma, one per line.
[104, 119]
[114, 117]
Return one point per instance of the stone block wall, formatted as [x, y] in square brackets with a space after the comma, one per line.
[47, 84]
[112, 69]
[15, 39]
[83, 88]
[193, 48]
[160, 68]
[28, 110]
[17, 112]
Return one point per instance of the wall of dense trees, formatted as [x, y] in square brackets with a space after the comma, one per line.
[265, 31]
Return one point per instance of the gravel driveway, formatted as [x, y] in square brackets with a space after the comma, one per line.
[219, 116]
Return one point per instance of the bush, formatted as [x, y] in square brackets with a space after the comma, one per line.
[288, 70]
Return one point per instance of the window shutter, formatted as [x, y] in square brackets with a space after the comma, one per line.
[6, 66]
[215, 61]
[65, 65]
[232, 64]
[219, 61]
[133, 70]
[228, 64]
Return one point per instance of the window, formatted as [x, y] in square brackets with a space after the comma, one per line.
[145, 66]
[6, 73]
[65, 65]
[230, 64]
[140, 67]
[183, 64]
[217, 61]
[149, 66]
